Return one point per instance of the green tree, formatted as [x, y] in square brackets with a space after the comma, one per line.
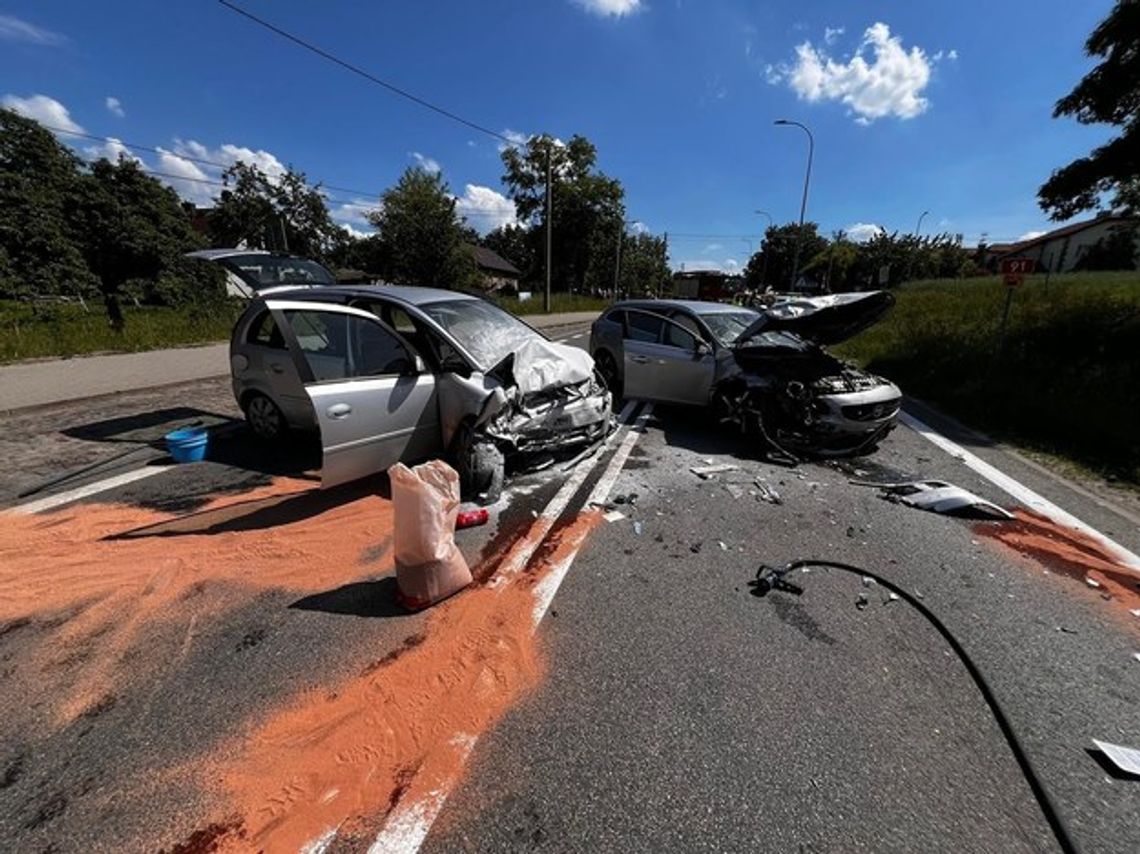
[136, 229]
[779, 245]
[587, 207]
[40, 183]
[284, 213]
[421, 235]
[644, 268]
[515, 244]
[1109, 94]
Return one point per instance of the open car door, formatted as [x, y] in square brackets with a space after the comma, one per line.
[375, 403]
[664, 361]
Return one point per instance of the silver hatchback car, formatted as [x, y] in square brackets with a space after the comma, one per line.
[391, 373]
[762, 370]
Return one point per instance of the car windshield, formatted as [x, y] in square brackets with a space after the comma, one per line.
[777, 338]
[485, 331]
[726, 326]
[263, 271]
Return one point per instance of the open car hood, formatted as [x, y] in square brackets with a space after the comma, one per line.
[824, 320]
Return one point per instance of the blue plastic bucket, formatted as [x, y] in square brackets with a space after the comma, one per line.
[187, 445]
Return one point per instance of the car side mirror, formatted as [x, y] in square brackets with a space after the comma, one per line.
[452, 364]
[702, 349]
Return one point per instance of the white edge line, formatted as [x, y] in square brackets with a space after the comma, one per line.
[1019, 491]
[408, 826]
[90, 489]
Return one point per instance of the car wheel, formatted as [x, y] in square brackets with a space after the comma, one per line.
[480, 466]
[607, 367]
[264, 417]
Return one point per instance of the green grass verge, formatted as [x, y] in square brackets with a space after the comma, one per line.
[1067, 382]
[68, 330]
[559, 304]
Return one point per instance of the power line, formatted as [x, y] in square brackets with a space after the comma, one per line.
[403, 93]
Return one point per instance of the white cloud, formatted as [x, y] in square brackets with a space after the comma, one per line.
[112, 149]
[115, 106]
[356, 211]
[890, 84]
[731, 264]
[47, 111]
[355, 232]
[638, 227]
[861, 232]
[13, 29]
[426, 163]
[831, 34]
[515, 138]
[952, 54]
[487, 209]
[712, 247]
[611, 8]
[1030, 235]
[188, 179]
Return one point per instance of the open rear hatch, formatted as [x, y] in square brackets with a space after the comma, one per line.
[824, 320]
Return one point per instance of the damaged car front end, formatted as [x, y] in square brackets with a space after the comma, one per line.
[766, 372]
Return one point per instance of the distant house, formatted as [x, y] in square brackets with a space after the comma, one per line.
[496, 272]
[1064, 249]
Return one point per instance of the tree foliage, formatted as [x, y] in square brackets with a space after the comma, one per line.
[1109, 94]
[283, 213]
[421, 236]
[68, 229]
[644, 267]
[513, 242]
[587, 208]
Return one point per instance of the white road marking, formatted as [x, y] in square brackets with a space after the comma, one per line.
[90, 489]
[409, 823]
[1021, 492]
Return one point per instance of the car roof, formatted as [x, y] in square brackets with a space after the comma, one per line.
[695, 306]
[217, 254]
[404, 293]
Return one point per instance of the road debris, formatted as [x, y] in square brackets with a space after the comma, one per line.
[472, 518]
[1127, 759]
[861, 601]
[767, 493]
[695, 548]
[425, 502]
[706, 472]
[637, 528]
[723, 547]
[938, 496]
[630, 499]
[735, 491]
[614, 516]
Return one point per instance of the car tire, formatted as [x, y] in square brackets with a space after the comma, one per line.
[607, 368]
[480, 466]
[264, 417]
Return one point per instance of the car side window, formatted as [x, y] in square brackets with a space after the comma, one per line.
[675, 336]
[342, 346]
[643, 326]
[264, 332]
[686, 321]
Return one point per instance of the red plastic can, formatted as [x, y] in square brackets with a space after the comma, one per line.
[472, 518]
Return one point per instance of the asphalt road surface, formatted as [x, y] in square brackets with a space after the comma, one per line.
[670, 709]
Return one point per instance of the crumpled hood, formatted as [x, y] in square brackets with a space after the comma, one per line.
[825, 319]
[539, 365]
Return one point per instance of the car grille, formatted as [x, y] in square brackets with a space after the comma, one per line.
[872, 411]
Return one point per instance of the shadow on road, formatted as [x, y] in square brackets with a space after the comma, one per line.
[262, 513]
[359, 599]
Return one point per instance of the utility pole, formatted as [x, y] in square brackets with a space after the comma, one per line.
[803, 204]
[549, 208]
[665, 260]
[617, 260]
[763, 251]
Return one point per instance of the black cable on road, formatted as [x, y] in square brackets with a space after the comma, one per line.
[771, 578]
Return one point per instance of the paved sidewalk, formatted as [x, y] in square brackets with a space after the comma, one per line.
[56, 380]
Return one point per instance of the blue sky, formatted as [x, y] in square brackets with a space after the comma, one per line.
[914, 106]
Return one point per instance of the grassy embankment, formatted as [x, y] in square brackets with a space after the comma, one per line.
[67, 330]
[1067, 383]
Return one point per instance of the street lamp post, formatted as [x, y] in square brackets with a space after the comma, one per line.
[803, 203]
[918, 227]
[764, 265]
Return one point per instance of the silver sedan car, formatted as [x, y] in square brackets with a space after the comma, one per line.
[391, 373]
[765, 371]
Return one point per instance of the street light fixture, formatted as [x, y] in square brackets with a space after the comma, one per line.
[918, 227]
[803, 203]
